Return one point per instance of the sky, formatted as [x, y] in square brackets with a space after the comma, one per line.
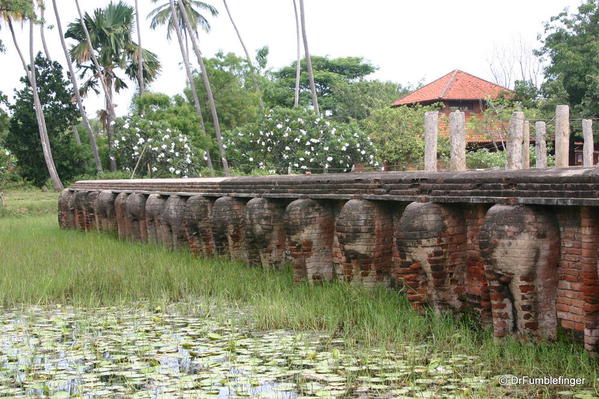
[410, 42]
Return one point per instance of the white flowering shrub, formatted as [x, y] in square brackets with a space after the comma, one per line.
[157, 149]
[299, 140]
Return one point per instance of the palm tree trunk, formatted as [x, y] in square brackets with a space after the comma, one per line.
[247, 54]
[298, 64]
[107, 91]
[140, 58]
[41, 121]
[194, 92]
[88, 127]
[42, 33]
[211, 104]
[110, 117]
[76, 135]
[308, 60]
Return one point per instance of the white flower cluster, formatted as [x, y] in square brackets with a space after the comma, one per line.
[159, 149]
[305, 142]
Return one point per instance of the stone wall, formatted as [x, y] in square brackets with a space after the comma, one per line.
[518, 248]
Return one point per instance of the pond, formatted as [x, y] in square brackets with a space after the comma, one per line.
[145, 352]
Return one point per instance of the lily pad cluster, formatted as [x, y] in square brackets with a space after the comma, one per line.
[139, 352]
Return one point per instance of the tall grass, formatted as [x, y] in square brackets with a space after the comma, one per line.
[41, 264]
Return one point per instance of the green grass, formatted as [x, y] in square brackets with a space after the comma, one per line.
[28, 203]
[42, 264]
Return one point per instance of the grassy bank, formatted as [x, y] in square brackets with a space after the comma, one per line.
[28, 203]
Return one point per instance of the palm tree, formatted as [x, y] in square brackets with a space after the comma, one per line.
[106, 39]
[42, 8]
[211, 103]
[245, 50]
[90, 132]
[308, 60]
[298, 58]
[162, 15]
[23, 11]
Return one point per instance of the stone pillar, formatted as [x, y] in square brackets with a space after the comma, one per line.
[155, 204]
[431, 243]
[120, 211]
[431, 129]
[228, 227]
[198, 225]
[136, 215]
[105, 211]
[526, 145]
[562, 136]
[265, 232]
[514, 141]
[589, 147]
[364, 231]
[521, 249]
[310, 229]
[540, 144]
[172, 222]
[457, 141]
[66, 216]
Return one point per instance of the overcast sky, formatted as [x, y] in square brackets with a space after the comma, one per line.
[409, 41]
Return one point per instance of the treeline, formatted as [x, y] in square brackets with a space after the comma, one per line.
[237, 115]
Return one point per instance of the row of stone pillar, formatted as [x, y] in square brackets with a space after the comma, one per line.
[518, 141]
[425, 249]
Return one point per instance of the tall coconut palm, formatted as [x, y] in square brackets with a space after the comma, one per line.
[140, 57]
[211, 103]
[308, 60]
[87, 125]
[298, 65]
[105, 38]
[162, 16]
[42, 8]
[8, 12]
[245, 50]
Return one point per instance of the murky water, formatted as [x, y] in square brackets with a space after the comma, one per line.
[139, 353]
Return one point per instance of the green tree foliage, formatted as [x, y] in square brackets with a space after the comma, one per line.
[327, 73]
[571, 45]
[397, 134]
[237, 102]
[4, 119]
[23, 139]
[355, 100]
[300, 140]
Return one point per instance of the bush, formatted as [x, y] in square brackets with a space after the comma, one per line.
[153, 148]
[484, 159]
[298, 139]
[398, 133]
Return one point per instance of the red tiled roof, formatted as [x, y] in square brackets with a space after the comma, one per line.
[456, 85]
